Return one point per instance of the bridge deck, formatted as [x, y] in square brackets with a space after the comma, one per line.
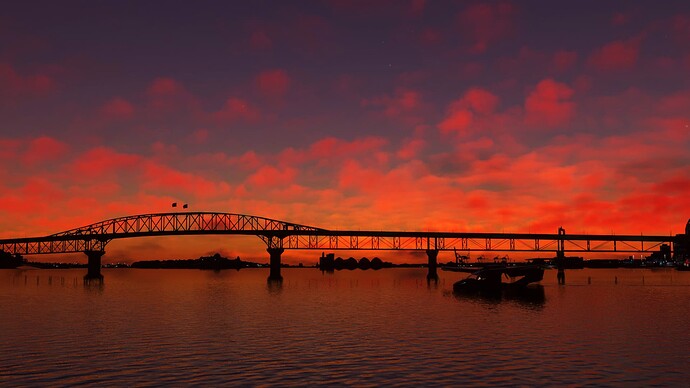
[279, 234]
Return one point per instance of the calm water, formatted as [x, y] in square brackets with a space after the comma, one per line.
[387, 327]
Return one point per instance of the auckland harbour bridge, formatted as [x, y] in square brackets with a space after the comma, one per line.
[280, 235]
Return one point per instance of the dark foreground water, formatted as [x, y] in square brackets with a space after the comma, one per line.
[387, 327]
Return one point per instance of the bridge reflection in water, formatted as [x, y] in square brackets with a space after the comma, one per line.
[280, 235]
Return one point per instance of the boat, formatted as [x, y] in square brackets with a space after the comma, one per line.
[491, 278]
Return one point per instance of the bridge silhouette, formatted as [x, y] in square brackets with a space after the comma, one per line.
[280, 235]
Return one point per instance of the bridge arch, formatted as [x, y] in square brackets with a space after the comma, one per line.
[161, 224]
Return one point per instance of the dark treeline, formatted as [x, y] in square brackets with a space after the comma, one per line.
[206, 262]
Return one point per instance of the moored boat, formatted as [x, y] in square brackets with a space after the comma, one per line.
[491, 278]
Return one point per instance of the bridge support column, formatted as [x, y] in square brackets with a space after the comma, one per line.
[432, 254]
[275, 263]
[94, 267]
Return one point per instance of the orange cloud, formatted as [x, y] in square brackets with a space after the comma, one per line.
[332, 151]
[168, 180]
[269, 176]
[44, 149]
[410, 149]
[462, 113]
[101, 161]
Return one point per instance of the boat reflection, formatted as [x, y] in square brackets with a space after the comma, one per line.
[532, 296]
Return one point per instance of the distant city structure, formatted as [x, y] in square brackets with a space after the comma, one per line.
[681, 245]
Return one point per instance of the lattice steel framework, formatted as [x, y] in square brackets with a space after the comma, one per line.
[280, 234]
[466, 242]
[97, 236]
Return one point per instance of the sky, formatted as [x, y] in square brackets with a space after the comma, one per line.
[498, 116]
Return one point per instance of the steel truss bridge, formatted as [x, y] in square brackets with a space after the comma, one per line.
[280, 235]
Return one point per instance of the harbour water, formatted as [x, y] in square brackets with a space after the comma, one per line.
[387, 327]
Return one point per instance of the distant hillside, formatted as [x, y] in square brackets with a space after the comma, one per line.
[205, 262]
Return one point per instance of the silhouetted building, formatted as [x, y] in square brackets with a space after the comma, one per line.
[681, 245]
[662, 257]
[327, 262]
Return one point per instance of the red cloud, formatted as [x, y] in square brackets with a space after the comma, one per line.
[9, 149]
[259, 40]
[681, 29]
[312, 33]
[332, 150]
[410, 149]
[616, 55]
[199, 136]
[676, 185]
[354, 176]
[402, 102]
[674, 128]
[461, 113]
[548, 105]
[430, 36]
[164, 86]
[13, 83]
[44, 149]
[167, 94]
[677, 103]
[160, 177]
[273, 83]
[563, 60]
[480, 101]
[416, 7]
[236, 109]
[457, 121]
[35, 197]
[248, 161]
[620, 18]
[101, 160]
[487, 23]
[118, 108]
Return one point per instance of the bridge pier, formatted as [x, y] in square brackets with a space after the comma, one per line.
[94, 267]
[274, 273]
[432, 254]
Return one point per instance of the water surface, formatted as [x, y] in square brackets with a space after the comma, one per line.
[387, 327]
